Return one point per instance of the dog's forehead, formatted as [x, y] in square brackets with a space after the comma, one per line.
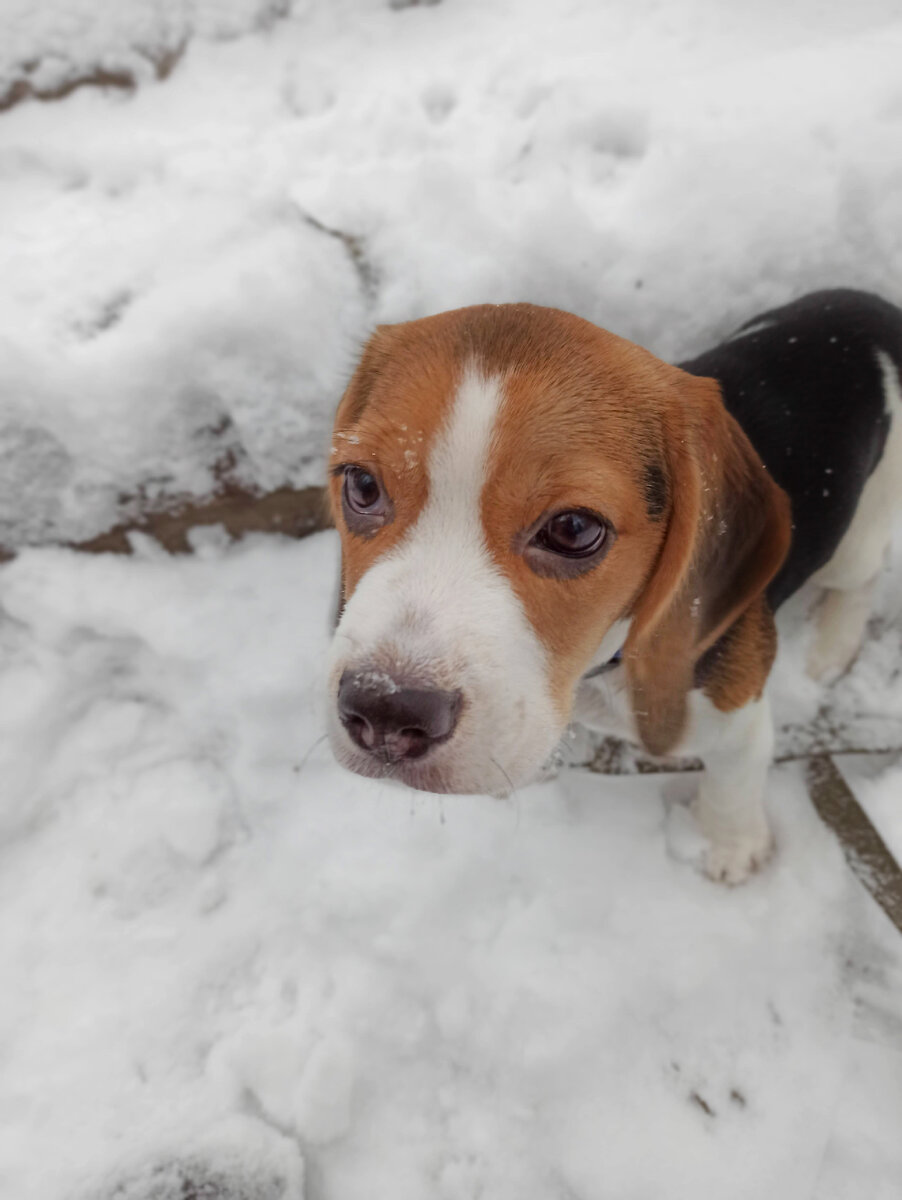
[555, 373]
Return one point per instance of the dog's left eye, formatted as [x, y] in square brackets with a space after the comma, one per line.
[366, 505]
[363, 493]
[576, 533]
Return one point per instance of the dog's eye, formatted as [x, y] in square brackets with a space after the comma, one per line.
[576, 533]
[366, 505]
[362, 492]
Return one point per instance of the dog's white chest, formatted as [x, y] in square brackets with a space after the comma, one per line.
[603, 703]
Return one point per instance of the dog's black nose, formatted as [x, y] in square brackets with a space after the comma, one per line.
[392, 721]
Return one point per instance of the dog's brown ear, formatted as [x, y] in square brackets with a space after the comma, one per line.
[728, 533]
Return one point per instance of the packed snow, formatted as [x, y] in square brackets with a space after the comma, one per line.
[222, 944]
[188, 271]
[231, 969]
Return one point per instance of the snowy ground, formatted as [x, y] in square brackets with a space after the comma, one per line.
[229, 965]
[227, 951]
[171, 297]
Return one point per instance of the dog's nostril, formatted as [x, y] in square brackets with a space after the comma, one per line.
[392, 721]
[360, 730]
[415, 742]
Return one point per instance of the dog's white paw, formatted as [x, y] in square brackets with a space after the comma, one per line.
[828, 661]
[694, 836]
[733, 862]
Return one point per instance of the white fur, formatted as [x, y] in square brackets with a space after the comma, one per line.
[850, 574]
[749, 330]
[736, 748]
[436, 611]
[613, 640]
[603, 703]
[842, 617]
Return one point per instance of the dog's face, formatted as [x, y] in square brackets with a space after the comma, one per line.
[503, 482]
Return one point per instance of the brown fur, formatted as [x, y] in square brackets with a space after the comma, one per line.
[735, 669]
[728, 533]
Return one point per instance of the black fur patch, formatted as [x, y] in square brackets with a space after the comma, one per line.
[805, 384]
[656, 492]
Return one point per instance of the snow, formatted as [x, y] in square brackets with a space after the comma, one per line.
[233, 968]
[222, 941]
[55, 47]
[188, 270]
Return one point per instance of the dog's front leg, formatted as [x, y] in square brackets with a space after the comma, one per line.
[736, 748]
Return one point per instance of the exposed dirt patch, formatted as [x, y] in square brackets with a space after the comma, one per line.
[294, 512]
[163, 62]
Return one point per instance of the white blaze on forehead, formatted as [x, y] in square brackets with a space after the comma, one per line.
[448, 575]
[457, 464]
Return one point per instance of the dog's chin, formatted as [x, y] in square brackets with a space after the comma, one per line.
[434, 773]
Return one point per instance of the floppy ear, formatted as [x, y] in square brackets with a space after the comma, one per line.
[727, 536]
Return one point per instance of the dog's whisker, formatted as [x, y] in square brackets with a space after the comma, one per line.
[512, 795]
[511, 790]
[306, 758]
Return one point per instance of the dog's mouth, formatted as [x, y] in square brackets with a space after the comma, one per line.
[428, 774]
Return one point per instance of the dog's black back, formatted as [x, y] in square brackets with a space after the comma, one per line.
[805, 383]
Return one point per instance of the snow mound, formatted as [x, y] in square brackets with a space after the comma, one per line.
[239, 1163]
[222, 941]
[50, 49]
[188, 271]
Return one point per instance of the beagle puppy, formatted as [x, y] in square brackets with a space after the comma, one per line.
[541, 522]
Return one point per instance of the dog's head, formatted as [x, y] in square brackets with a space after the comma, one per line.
[518, 494]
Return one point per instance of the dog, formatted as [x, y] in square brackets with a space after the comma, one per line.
[541, 522]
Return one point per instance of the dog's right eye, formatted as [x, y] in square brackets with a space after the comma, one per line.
[575, 533]
[363, 493]
[567, 543]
